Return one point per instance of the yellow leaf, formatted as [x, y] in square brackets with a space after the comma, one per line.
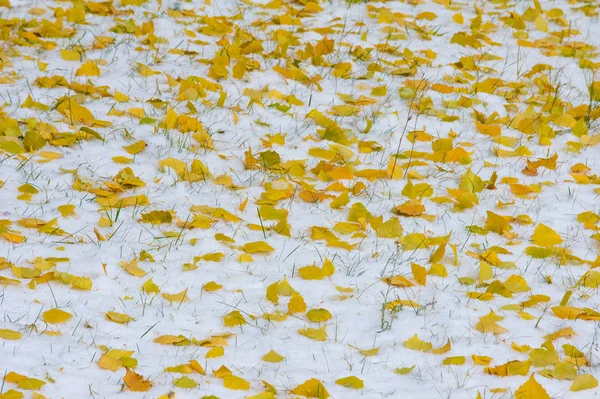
[394, 170]
[234, 318]
[351, 382]
[340, 201]
[172, 340]
[419, 273]
[185, 383]
[328, 269]
[136, 147]
[438, 254]
[545, 356]
[150, 288]
[235, 383]
[471, 183]
[415, 343]
[196, 367]
[132, 268]
[389, 229]
[446, 348]
[211, 286]
[272, 357]
[481, 360]
[318, 334]
[10, 334]
[70, 55]
[30, 384]
[454, 360]
[312, 388]
[368, 352]
[342, 70]
[54, 316]
[497, 223]
[584, 381]
[66, 210]
[514, 367]
[410, 208]
[344, 110]
[546, 237]
[311, 273]
[48, 156]
[318, 315]
[296, 304]
[485, 271]
[257, 247]
[120, 97]
[567, 312]
[487, 324]
[89, 68]
[541, 24]
[120, 318]
[563, 332]
[404, 370]
[180, 297]
[399, 281]
[215, 352]
[531, 389]
[516, 284]
[109, 363]
[136, 382]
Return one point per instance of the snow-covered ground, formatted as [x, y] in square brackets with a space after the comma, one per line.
[308, 198]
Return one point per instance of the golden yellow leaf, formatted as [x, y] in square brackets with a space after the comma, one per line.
[257, 247]
[487, 324]
[88, 68]
[318, 334]
[150, 288]
[567, 312]
[454, 360]
[235, 383]
[66, 210]
[177, 298]
[120, 318]
[10, 334]
[404, 370]
[481, 360]
[410, 208]
[296, 304]
[584, 381]
[136, 147]
[234, 318]
[415, 343]
[54, 316]
[514, 367]
[30, 384]
[215, 352]
[496, 223]
[135, 382]
[185, 382]
[446, 348]
[545, 236]
[272, 357]
[531, 389]
[132, 267]
[399, 281]
[419, 273]
[318, 315]
[107, 362]
[312, 388]
[351, 382]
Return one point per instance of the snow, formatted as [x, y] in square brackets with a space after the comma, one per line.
[68, 362]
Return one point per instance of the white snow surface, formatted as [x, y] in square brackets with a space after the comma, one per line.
[359, 321]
